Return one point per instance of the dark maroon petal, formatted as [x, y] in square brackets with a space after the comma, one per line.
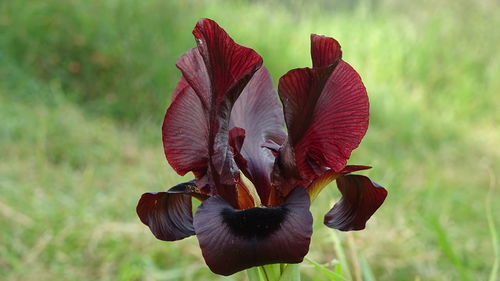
[195, 129]
[232, 240]
[330, 175]
[360, 199]
[325, 51]
[180, 87]
[258, 112]
[326, 116]
[227, 62]
[354, 168]
[236, 139]
[168, 214]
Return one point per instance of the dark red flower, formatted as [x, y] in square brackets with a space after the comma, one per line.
[226, 126]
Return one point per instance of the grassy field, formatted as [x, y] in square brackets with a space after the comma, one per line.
[84, 86]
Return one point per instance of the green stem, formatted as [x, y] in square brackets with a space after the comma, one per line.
[274, 272]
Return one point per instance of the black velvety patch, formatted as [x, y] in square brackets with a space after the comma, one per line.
[254, 222]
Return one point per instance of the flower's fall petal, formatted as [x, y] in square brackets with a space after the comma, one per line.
[258, 112]
[168, 214]
[360, 199]
[195, 129]
[319, 183]
[232, 240]
[326, 114]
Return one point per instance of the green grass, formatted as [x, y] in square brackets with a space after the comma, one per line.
[84, 86]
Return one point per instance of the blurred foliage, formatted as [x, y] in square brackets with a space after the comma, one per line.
[84, 86]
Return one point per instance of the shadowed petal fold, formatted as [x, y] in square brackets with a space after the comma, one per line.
[259, 113]
[326, 110]
[360, 199]
[195, 129]
[169, 214]
[232, 240]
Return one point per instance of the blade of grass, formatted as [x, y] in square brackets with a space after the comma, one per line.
[344, 266]
[447, 248]
[327, 272]
[366, 271]
[290, 272]
[254, 274]
[493, 230]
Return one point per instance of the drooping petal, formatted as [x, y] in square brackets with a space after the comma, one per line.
[360, 199]
[195, 129]
[326, 110]
[258, 113]
[232, 240]
[169, 214]
[318, 184]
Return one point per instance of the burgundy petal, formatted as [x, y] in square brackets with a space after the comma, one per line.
[326, 111]
[181, 86]
[168, 214]
[324, 51]
[360, 199]
[195, 129]
[323, 180]
[258, 112]
[232, 240]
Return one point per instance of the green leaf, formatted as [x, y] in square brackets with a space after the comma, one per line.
[365, 269]
[343, 268]
[448, 249]
[291, 272]
[327, 272]
[255, 275]
[493, 233]
[272, 271]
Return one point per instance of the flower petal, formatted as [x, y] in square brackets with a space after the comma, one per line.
[322, 181]
[195, 129]
[325, 51]
[326, 111]
[169, 214]
[232, 240]
[258, 112]
[360, 199]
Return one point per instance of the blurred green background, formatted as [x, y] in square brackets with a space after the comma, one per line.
[84, 86]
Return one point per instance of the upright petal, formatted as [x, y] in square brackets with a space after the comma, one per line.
[325, 51]
[232, 240]
[258, 112]
[195, 129]
[360, 199]
[169, 214]
[326, 110]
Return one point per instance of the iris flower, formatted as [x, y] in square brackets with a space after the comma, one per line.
[256, 181]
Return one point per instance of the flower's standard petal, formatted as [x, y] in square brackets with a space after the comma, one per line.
[325, 51]
[258, 112]
[195, 129]
[326, 111]
[169, 214]
[181, 87]
[360, 199]
[232, 240]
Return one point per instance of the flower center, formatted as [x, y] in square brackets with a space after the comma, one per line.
[254, 222]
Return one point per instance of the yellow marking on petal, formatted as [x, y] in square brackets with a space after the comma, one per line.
[251, 189]
[321, 182]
